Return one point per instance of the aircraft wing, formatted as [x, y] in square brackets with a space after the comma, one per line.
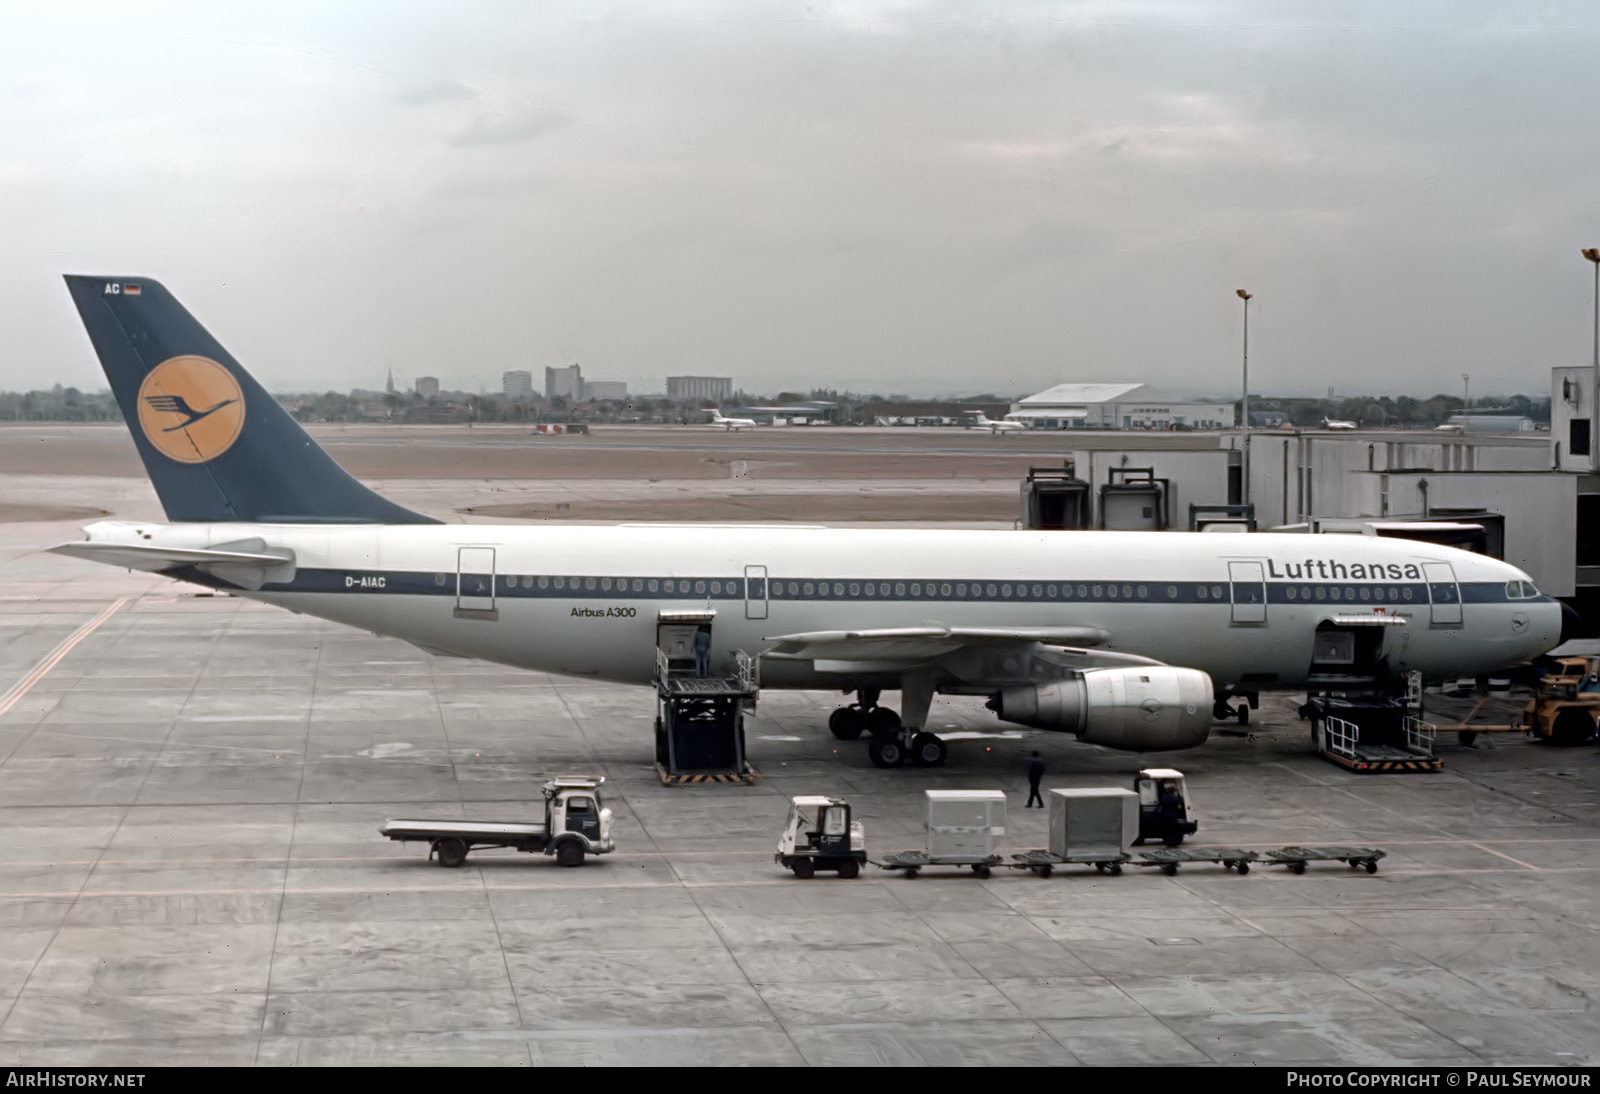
[248, 564]
[921, 643]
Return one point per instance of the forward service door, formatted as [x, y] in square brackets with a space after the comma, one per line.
[1444, 594]
[1248, 581]
[755, 592]
[475, 581]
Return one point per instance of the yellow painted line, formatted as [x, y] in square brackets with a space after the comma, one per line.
[39, 671]
[473, 886]
[751, 852]
[1502, 854]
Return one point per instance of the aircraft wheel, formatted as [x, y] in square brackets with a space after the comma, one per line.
[1297, 867]
[570, 853]
[927, 750]
[1372, 866]
[845, 723]
[1573, 726]
[849, 868]
[1114, 869]
[882, 720]
[886, 752]
[452, 852]
[1244, 867]
[803, 867]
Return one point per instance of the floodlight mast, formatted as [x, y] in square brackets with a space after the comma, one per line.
[1244, 407]
[1593, 255]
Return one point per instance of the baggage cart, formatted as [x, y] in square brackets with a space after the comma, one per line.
[1044, 863]
[1295, 858]
[911, 862]
[1168, 859]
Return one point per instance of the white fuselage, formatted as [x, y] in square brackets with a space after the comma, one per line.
[586, 600]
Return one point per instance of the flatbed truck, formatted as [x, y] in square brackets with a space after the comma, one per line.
[576, 823]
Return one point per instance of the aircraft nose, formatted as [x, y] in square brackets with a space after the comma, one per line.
[1571, 624]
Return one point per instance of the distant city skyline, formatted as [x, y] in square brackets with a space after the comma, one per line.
[911, 196]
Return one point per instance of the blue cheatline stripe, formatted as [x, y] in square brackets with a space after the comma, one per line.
[1344, 594]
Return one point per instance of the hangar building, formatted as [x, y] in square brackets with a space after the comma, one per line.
[1117, 406]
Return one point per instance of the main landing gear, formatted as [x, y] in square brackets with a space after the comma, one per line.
[1248, 701]
[892, 744]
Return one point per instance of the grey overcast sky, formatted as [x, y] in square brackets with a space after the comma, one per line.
[931, 198]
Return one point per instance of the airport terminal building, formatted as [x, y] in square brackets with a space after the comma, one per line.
[1117, 406]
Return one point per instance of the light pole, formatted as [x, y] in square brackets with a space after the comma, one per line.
[1244, 406]
[1593, 255]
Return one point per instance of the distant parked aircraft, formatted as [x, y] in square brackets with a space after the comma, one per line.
[731, 424]
[1337, 423]
[981, 420]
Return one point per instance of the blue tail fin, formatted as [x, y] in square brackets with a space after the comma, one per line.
[216, 446]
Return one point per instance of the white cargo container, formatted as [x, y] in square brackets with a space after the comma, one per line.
[1091, 823]
[965, 824]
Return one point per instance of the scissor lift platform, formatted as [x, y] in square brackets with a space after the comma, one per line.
[1371, 735]
[700, 723]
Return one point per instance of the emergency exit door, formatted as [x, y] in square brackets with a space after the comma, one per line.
[755, 592]
[1444, 594]
[1248, 581]
[475, 580]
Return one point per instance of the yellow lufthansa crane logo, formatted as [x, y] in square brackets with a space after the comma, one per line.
[191, 409]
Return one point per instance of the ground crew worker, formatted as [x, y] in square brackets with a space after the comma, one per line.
[1169, 811]
[1035, 773]
[702, 652]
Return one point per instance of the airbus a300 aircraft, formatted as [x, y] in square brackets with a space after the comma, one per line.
[980, 420]
[1126, 639]
[731, 424]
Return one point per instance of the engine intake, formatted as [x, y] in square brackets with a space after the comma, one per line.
[1135, 709]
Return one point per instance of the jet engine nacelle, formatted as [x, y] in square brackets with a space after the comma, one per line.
[1135, 709]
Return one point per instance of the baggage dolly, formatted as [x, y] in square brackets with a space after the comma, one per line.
[1295, 858]
[1044, 863]
[912, 862]
[1170, 858]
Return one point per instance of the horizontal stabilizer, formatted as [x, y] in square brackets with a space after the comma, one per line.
[249, 568]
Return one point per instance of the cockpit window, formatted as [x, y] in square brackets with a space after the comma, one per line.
[1521, 590]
